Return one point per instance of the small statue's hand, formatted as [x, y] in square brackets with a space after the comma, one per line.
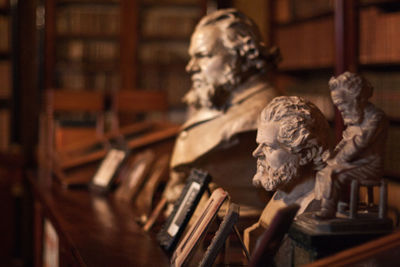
[336, 165]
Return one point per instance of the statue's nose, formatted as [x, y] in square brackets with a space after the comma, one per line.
[192, 66]
[257, 151]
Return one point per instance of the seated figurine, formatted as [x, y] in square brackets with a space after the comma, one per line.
[359, 155]
[293, 138]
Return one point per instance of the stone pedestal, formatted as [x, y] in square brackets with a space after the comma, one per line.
[314, 239]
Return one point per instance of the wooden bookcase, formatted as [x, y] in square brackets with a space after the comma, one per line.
[163, 42]
[82, 48]
[119, 45]
[6, 75]
[112, 45]
[322, 38]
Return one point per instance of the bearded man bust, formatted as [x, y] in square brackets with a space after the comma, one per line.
[293, 144]
[229, 89]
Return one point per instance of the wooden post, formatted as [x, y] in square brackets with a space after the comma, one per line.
[49, 43]
[346, 45]
[129, 43]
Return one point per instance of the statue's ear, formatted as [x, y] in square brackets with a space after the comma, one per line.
[249, 48]
[305, 157]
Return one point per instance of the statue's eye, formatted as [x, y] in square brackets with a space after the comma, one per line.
[204, 55]
[267, 148]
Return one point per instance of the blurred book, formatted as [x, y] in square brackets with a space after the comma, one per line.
[170, 21]
[88, 20]
[379, 36]
[5, 129]
[307, 44]
[5, 34]
[5, 79]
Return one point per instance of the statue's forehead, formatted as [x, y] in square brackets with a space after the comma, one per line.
[203, 39]
[267, 132]
[341, 95]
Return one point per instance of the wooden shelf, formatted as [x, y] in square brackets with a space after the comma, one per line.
[368, 3]
[11, 159]
[93, 230]
[4, 102]
[168, 4]
[362, 4]
[88, 36]
[4, 11]
[4, 55]
[323, 15]
[88, 66]
[87, 2]
[394, 121]
[381, 67]
[162, 65]
[300, 70]
[166, 38]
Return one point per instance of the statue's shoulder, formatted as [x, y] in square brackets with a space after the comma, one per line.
[243, 115]
[254, 102]
[374, 113]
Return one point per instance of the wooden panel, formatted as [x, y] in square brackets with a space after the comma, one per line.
[141, 101]
[49, 43]
[68, 100]
[129, 39]
[65, 136]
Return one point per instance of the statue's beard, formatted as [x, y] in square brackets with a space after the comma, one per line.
[212, 96]
[352, 117]
[272, 179]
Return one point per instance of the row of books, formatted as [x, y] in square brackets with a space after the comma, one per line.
[386, 93]
[312, 87]
[294, 10]
[88, 20]
[287, 11]
[306, 45]
[171, 79]
[79, 80]
[379, 36]
[163, 52]
[314, 41]
[4, 129]
[165, 30]
[5, 79]
[4, 34]
[88, 50]
[170, 22]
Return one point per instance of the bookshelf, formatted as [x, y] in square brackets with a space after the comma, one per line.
[306, 66]
[324, 46]
[113, 45]
[110, 45]
[82, 48]
[6, 75]
[163, 40]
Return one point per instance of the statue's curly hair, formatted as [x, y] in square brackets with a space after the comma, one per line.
[303, 128]
[242, 35]
[356, 85]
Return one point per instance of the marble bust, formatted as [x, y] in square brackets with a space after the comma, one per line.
[229, 89]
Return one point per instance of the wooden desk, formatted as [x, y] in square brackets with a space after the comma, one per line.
[92, 230]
